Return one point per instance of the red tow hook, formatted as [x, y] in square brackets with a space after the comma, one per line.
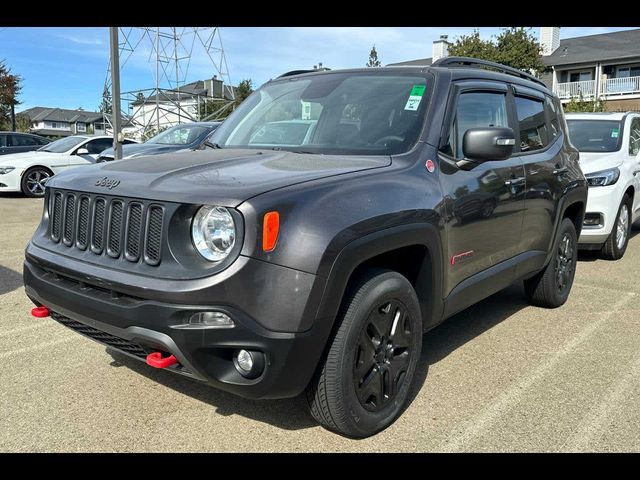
[156, 360]
[40, 312]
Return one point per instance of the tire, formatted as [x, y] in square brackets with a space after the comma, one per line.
[337, 398]
[550, 288]
[616, 244]
[31, 183]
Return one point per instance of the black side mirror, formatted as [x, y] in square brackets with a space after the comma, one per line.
[489, 143]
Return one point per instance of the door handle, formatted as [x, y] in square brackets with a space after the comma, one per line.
[512, 182]
[560, 170]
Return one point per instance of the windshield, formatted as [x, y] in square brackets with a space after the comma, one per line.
[62, 145]
[595, 135]
[334, 113]
[179, 135]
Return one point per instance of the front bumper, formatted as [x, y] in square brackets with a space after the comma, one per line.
[605, 201]
[203, 354]
[10, 182]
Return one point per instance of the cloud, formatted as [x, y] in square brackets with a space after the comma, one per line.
[81, 40]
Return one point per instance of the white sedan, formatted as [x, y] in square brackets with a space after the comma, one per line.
[28, 172]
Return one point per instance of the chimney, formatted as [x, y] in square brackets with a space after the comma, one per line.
[440, 48]
[549, 39]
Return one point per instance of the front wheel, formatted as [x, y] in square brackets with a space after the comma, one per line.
[33, 181]
[550, 288]
[616, 244]
[364, 382]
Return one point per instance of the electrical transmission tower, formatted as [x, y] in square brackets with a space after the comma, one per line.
[169, 52]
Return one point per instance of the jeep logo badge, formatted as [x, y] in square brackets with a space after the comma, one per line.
[107, 182]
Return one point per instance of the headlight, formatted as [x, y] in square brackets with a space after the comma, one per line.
[4, 170]
[213, 232]
[604, 178]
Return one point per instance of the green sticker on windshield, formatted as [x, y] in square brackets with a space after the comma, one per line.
[614, 133]
[418, 90]
[416, 96]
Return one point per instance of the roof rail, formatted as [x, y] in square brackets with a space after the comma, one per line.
[300, 72]
[461, 62]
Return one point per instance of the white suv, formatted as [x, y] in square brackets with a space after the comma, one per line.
[609, 144]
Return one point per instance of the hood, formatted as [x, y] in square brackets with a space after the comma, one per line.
[24, 158]
[226, 177]
[140, 149]
[596, 162]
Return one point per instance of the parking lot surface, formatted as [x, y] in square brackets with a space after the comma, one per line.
[500, 376]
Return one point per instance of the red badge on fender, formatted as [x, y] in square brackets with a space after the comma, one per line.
[430, 166]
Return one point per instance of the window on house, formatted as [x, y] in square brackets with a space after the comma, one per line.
[533, 128]
[476, 110]
[634, 137]
[581, 76]
[81, 127]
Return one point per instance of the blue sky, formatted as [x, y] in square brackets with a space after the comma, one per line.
[66, 67]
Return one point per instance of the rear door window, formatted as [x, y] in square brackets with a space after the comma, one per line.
[532, 124]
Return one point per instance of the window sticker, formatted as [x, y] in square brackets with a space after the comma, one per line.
[415, 97]
[614, 133]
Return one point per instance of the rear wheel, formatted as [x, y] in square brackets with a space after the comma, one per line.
[33, 181]
[616, 244]
[550, 288]
[364, 382]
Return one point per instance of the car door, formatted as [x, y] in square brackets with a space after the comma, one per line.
[484, 203]
[539, 146]
[22, 143]
[94, 147]
[634, 154]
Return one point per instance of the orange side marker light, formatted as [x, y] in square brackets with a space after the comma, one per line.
[270, 229]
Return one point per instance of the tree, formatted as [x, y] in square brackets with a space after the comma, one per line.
[373, 58]
[10, 87]
[515, 47]
[23, 123]
[106, 106]
[244, 89]
[580, 105]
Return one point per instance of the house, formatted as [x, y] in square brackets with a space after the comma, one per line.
[60, 122]
[166, 108]
[604, 66]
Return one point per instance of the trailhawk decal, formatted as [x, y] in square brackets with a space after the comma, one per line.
[461, 257]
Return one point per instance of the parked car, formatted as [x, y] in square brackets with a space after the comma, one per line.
[268, 272]
[16, 142]
[609, 145]
[186, 136]
[28, 172]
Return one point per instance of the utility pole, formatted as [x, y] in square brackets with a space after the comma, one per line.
[13, 117]
[116, 117]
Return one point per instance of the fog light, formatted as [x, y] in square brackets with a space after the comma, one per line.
[592, 220]
[245, 361]
[249, 363]
[203, 320]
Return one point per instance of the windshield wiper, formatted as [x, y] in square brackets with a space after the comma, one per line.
[212, 145]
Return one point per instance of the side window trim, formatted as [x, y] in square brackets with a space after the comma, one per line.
[518, 150]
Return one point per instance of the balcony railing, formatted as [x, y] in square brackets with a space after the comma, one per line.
[620, 86]
[610, 87]
[585, 88]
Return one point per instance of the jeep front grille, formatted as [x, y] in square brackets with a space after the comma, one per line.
[113, 227]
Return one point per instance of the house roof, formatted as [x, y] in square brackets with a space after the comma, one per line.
[590, 48]
[38, 114]
[593, 48]
[417, 63]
